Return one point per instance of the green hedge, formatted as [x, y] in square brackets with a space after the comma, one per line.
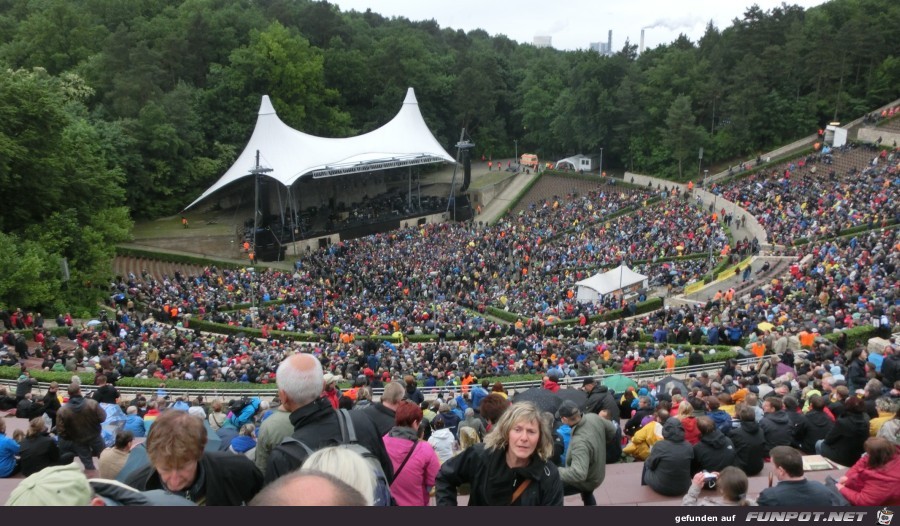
[504, 315]
[221, 328]
[855, 336]
[13, 372]
[723, 264]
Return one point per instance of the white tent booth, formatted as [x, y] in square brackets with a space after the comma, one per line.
[289, 155]
[311, 191]
[580, 162]
[621, 280]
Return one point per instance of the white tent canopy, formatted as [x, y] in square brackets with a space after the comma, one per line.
[577, 162]
[599, 285]
[290, 154]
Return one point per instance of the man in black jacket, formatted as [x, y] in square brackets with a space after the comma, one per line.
[856, 370]
[668, 468]
[78, 426]
[300, 383]
[696, 357]
[105, 393]
[749, 443]
[24, 385]
[599, 398]
[715, 451]
[382, 413]
[179, 465]
[813, 426]
[644, 410]
[776, 425]
[890, 367]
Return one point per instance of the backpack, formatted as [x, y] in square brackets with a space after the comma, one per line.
[236, 406]
[382, 496]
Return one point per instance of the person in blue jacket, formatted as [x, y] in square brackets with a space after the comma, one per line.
[9, 448]
[479, 392]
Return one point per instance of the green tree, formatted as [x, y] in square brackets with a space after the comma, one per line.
[682, 136]
[70, 194]
[279, 63]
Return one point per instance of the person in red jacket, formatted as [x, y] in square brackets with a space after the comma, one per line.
[551, 383]
[688, 422]
[875, 478]
[330, 391]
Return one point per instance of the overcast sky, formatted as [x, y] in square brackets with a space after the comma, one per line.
[573, 24]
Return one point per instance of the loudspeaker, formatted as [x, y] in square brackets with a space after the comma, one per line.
[467, 169]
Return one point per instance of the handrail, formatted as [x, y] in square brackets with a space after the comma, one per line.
[429, 392]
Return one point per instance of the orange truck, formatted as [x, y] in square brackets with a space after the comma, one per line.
[529, 159]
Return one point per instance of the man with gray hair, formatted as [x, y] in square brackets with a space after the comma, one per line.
[382, 413]
[474, 422]
[316, 423]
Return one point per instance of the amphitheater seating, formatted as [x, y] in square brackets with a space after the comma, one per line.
[550, 187]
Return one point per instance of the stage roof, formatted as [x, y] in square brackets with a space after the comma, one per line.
[288, 154]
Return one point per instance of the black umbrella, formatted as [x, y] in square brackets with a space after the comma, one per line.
[576, 395]
[667, 384]
[542, 398]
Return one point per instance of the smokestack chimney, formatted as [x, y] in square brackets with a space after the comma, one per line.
[609, 43]
[642, 42]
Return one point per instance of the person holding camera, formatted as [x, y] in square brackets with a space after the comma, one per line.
[715, 451]
[730, 484]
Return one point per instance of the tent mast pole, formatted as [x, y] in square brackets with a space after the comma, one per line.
[290, 196]
[255, 200]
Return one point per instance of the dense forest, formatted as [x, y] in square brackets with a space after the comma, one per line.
[113, 109]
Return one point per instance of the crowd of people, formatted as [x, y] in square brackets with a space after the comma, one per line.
[427, 279]
[806, 395]
[835, 404]
[808, 198]
[434, 280]
[404, 450]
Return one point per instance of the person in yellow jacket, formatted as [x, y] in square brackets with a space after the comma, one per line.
[886, 411]
[643, 440]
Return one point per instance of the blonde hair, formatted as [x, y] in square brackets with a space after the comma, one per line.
[468, 437]
[498, 438]
[685, 409]
[346, 465]
[36, 426]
